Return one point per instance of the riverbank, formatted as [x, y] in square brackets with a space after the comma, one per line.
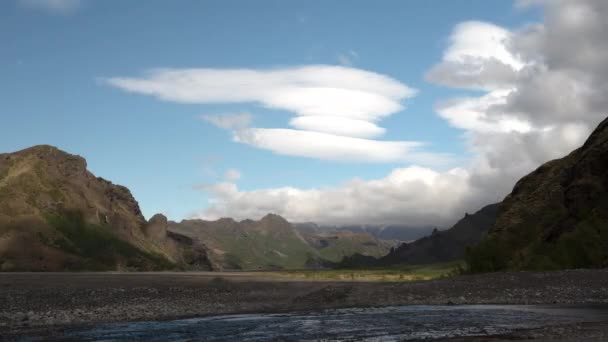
[33, 301]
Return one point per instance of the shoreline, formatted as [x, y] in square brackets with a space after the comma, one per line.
[32, 302]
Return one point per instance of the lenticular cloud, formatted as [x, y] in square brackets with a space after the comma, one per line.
[339, 107]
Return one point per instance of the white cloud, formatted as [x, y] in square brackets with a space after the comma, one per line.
[337, 125]
[483, 41]
[477, 58]
[545, 88]
[307, 90]
[334, 147]
[430, 198]
[337, 109]
[229, 121]
[472, 114]
[57, 6]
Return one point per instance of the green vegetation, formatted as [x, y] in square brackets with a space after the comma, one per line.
[586, 245]
[255, 250]
[490, 255]
[389, 274]
[344, 246]
[98, 248]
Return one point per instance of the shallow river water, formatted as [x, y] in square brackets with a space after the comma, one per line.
[361, 324]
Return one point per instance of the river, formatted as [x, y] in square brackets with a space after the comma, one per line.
[361, 324]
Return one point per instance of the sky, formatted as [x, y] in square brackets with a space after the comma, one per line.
[336, 112]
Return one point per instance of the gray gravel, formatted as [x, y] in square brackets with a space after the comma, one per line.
[34, 301]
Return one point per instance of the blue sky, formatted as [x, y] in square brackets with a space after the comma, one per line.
[55, 63]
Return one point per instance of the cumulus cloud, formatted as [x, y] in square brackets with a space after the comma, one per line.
[429, 196]
[545, 87]
[56, 6]
[477, 58]
[337, 109]
[544, 106]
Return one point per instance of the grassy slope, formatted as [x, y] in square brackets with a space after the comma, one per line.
[97, 248]
[273, 243]
[255, 250]
[234, 246]
[348, 245]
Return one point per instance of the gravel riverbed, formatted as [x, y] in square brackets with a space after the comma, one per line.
[48, 301]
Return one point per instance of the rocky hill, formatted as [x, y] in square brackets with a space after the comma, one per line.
[556, 217]
[56, 215]
[447, 245]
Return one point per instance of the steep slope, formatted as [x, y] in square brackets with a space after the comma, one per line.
[556, 217]
[270, 243]
[448, 245]
[56, 215]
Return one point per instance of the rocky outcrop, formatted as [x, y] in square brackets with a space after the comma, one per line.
[156, 228]
[186, 252]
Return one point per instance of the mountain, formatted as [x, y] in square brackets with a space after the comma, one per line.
[401, 233]
[274, 243]
[447, 245]
[55, 215]
[270, 243]
[335, 244]
[555, 217]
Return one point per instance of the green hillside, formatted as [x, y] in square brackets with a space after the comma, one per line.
[555, 218]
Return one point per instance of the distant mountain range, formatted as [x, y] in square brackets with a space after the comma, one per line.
[398, 233]
[274, 243]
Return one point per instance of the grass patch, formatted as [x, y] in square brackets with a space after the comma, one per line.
[399, 273]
